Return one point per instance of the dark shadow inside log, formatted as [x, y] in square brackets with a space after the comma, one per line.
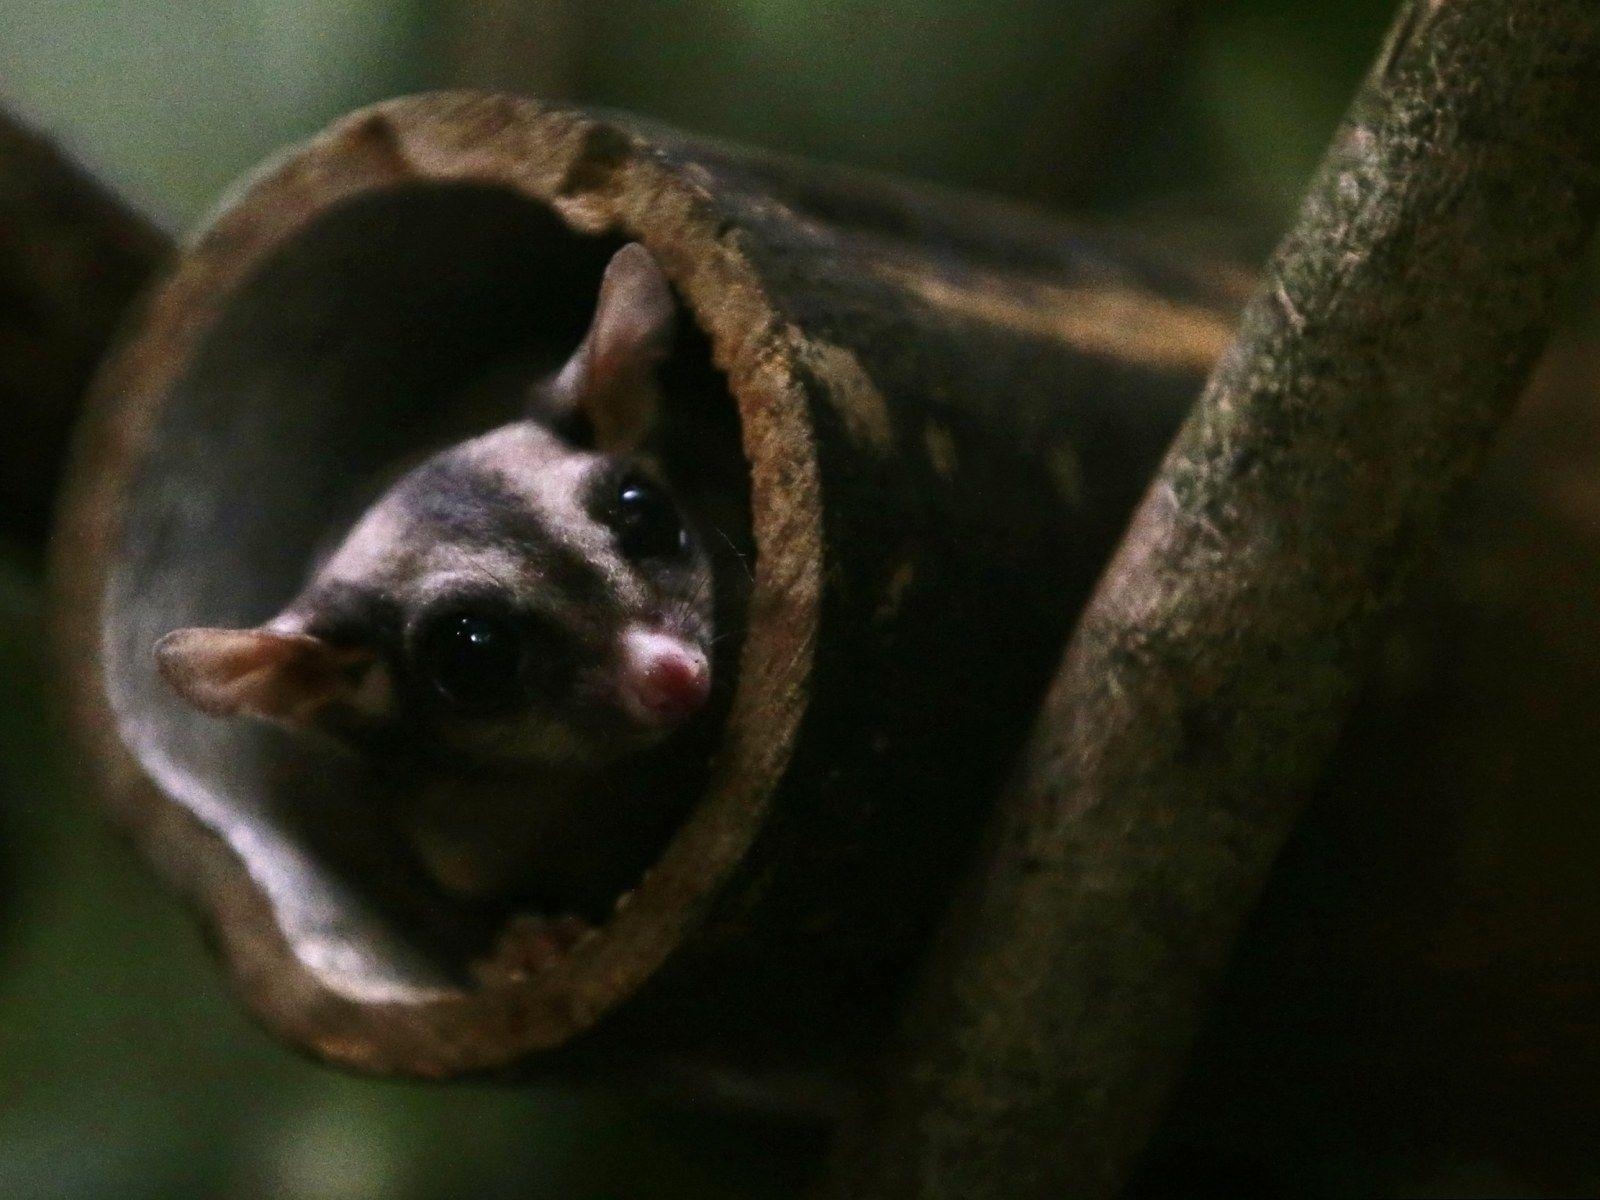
[947, 409]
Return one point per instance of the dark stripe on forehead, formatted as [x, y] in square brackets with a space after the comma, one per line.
[575, 576]
[453, 499]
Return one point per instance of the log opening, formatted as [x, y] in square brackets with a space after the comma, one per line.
[362, 341]
[287, 365]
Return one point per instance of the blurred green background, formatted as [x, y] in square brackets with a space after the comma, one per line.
[175, 98]
[125, 1072]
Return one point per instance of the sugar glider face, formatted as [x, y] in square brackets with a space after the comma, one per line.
[517, 598]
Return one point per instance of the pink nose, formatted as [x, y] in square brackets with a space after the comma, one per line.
[664, 680]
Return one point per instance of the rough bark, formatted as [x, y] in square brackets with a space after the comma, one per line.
[1208, 678]
[1410, 1010]
[72, 256]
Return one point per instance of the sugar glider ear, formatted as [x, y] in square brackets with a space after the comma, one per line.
[284, 677]
[608, 380]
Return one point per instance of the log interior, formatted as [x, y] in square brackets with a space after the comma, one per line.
[352, 349]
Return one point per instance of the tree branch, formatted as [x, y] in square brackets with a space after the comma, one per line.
[1118, 91]
[71, 258]
[1210, 674]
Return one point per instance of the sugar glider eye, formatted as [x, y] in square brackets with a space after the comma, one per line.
[647, 521]
[472, 660]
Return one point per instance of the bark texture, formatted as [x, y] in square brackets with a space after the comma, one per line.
[1212, 671]
[72, 256]
[1411, 1008]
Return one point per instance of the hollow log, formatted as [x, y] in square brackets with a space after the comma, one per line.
[72, 257]
[948, 408]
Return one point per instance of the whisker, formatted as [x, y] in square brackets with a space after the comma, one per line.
[740, 631]
[744, 565]
[483, 570]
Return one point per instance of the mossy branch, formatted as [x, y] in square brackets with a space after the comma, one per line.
[72, 257]
[1208, 678]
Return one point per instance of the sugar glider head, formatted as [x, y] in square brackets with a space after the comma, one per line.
[530, 596]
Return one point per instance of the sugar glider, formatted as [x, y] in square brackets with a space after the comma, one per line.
[519, 632]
